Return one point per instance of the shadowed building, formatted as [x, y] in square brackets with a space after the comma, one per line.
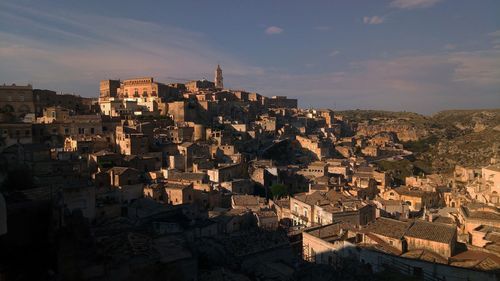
[16, 100]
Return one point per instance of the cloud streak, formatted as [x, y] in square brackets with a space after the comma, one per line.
[373, 20]
[421, 83]
[413, 4]
[272, 30]
[71, 52]
[76, 51]
[334, 53]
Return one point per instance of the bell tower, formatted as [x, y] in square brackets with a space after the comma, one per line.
[218, 78]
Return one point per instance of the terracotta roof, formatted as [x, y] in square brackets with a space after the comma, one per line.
[326, 232]
[121, 170]
[265, 214]
[382, 245]
[445, 220]
[425, 255]
[104, 152]
[170, 185]
[432, 231]
[247, 200]
[404, 190]
[313, 198]
[187, 176]
[484, 215]
[387, 227]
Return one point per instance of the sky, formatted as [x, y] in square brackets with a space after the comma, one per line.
[403, 55]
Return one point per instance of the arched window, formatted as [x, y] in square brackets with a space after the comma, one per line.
[8, 108]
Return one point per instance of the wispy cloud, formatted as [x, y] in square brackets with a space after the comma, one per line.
[450, 47]
[71, 52]
[415, 82]
[494, 33]
[481, 68]
[373, 20]
[273, 30]
[334, 53]
[413, 4]
[322, 27]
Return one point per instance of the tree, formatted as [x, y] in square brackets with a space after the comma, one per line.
[278, 190]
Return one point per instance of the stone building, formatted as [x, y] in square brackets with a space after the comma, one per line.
[315, 169]
[326, 245]
[249, 202]
[133, 138]
[435, 237]
[320, 208]
[179, 193]
[414, 197]
[318, 148]
[389, 233]
[146, 87]
[281, 102]
[12, 133]
[266, 219]
[200, 85]
[491, 176]
[120, 176]
[363, 175]
[227, 172]
[183, 111]
[109, 89]
[16, 100]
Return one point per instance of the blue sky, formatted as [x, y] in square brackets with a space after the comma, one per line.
[414, 55]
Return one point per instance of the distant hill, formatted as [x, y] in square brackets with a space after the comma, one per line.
[447, 138]
[469, 139]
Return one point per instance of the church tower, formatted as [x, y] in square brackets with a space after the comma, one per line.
[218, 78]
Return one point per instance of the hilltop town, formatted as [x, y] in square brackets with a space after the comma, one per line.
[195, 181]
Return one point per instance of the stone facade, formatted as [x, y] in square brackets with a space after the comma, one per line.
[17, 100]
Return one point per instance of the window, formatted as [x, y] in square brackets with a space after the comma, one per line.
[92, 130]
